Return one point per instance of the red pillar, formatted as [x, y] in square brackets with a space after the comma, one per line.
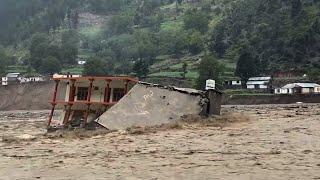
[126, 86]
[106, 91]
[90, 90]
[53, 102]
[88, 102]
[72, 90]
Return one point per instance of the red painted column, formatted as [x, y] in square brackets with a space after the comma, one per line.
[126, 86]
[106, 91]
[90, 90]
[54, 103]
[88, 102]
[72, 90]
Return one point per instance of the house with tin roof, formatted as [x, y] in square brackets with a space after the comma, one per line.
[299, 88]
[11, 78]
[259, 83]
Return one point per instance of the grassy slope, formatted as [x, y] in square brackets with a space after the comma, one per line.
[165, 66]
[171, 67]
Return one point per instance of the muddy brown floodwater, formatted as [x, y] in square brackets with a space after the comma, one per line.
[274, 142]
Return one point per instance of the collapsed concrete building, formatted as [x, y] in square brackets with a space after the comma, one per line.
[123, 102]
[85, 98]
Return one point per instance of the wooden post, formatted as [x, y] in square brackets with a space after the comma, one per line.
[215, 99]
[53, 102]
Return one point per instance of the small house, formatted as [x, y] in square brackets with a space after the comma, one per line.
[299, 88]
[259, 83]
[11, 78]
[30, 79]
[232, 84]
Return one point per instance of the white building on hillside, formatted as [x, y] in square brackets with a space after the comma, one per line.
[299, 88]
[10, 78]
[32, 79]
[259, 83]
[235, 83]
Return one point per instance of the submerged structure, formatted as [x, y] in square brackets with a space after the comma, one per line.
[122, 102]
[148, 105]
[83, 99]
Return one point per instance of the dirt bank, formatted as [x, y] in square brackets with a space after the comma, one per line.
[32, 96]
[278, 142]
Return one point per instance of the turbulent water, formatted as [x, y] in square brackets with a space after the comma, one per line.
[274, 142]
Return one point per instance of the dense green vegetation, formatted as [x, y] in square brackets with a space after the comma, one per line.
[162, 38]
[275, 35]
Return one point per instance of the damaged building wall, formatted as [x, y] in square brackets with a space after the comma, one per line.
[149, 105]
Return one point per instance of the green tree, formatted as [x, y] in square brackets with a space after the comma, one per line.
[209, 68]
[314, 75]
[283, 35]
[247, 66]
[50, 65]
[19, 20]
[40, 49]
[119, 24]
[141, 68]
[104, 6]
[39, 39]
[69, 47]
[195, 42]
[195, 19]
[95, 66]
[173, 42]
[184, 70]
[296, 7]
[4, 61]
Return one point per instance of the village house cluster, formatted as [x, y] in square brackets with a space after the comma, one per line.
[18, 78]
[267, 84]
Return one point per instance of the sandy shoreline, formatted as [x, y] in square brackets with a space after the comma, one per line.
[279, 142]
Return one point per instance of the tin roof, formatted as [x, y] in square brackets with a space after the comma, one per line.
[259, 79]
[257, 82]
[303, 85]
[13, 75]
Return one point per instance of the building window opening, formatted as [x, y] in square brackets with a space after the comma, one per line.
[118, 93]
[82, 94]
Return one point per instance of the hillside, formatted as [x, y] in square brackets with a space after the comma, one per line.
[160, 40]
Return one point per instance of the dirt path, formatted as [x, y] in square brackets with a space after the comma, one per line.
[279, 142]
